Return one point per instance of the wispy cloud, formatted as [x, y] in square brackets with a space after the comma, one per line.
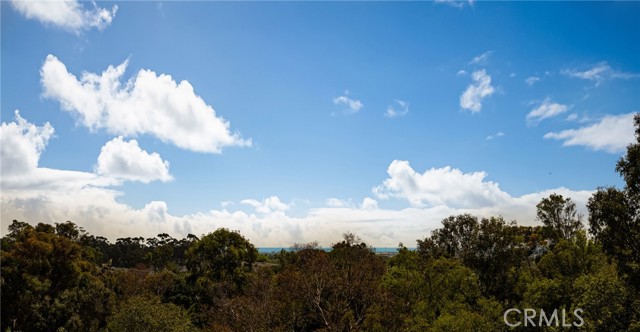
[532, 80]
[496, 135]
[480, 88]
[69, 15]
[572, 117]
[353, 105]
[611, 134]
[546, 109]
[481, 59]
[400, 108]
[456, 3]
[599, 73]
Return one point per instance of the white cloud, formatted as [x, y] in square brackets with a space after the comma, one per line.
[354, 105]
[68, 15]
[147, 104]
[496, 135]
[481, 59]
[127, 161]
[532, 80]
[36, 194]
[471, 98]
[268, 205]
[401, 110]
[455, 3]
[546, 109]
[461, 72]
[611, 134]
[439, 186]
[337, 203]
[369, 203]
[572, 117]
[599, 73]
[22, 144]
[99, 211]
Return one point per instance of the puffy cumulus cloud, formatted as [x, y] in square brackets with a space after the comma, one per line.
[123, 160]
[471, 98]
[268, 205]
[146, 104]
[99, 211]
[401, 108]
[22, 143]
[37, 194]
[68, 15]
[369, 203]
[353, 105]
[448, 191]
[611, 134]
[599, 73]
[439, 186]
[546, 109]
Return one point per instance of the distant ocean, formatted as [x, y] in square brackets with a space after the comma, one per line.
[379, 250]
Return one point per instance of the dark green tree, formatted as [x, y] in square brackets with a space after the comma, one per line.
[559, 217]
[614, 215]
[49, 284]
[223, 255]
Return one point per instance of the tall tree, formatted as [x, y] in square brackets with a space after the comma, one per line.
[614, 215]
[560, 217]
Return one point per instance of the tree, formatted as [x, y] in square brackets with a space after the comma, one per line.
[560, 217]
[48, 283]
[358, 272]
[142, 314]
[629, 165]
[454, 240]
[129, 252]
[487, 247]
[222, 256]
[614, 215]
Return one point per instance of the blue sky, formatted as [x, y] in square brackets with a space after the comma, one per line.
[297, 121]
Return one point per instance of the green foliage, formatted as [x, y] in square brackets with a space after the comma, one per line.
[560, 217]
[47, 282]
[604, 299]
[487, 247]
[142, 314]
[614, 215]
[222, 256]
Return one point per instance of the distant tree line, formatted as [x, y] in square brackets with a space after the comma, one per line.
[462, 277]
